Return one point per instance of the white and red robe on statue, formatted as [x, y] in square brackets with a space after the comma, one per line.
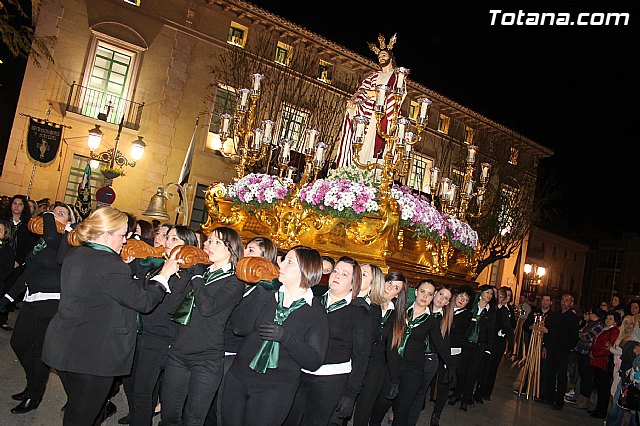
[373, 147]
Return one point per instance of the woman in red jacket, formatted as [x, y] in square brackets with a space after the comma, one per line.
[602, 365]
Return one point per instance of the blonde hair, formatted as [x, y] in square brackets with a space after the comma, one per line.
[104, 219]
[376, 292]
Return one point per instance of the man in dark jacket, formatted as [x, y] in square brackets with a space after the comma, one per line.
[561, 335]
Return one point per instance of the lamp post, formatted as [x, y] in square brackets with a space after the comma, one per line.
[534, 275]
[113, 156]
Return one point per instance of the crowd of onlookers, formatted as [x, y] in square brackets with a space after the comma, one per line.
[601, 357]
[361, 344]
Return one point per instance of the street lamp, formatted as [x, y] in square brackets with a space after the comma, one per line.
[114, 156]
[534, 273]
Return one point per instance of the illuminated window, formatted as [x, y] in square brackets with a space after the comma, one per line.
[283, 53]
[513, 158]
[133, 2]
[414, 109]
[469, 134]
[420, 176]
[291, 123]
[324, 72]
[443, 124]
[237, 34]
[224, 103]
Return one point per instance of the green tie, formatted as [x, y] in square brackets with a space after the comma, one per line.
[413, 323]
[183, 313]
[475, 326]
[269, 353]
[335, 305]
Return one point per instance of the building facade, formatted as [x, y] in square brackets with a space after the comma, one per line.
[157, 68]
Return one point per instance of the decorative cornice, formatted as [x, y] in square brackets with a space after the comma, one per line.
[247, 9]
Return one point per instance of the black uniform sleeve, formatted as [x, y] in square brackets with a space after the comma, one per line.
[217, 296]
[361, 351]
[491, 330]
[310, 351]
[131, 293]
[435, 335]
[245, 315]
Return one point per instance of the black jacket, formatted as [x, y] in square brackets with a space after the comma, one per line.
[203, 338]
[94, 331]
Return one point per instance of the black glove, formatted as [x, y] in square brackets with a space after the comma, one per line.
[198, 269]
[394, 390]
[271, 331]
[4, 305]
[344, 410]
[446, 376]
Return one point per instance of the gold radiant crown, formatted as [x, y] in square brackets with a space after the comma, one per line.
[383, 45]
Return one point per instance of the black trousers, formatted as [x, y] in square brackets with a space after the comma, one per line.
[381, 404]
[27, 341]
[149, 363]
[602, 380]
[443, 391]
[585, 371]
[188, 389]
[488, 380]
[469, 371]
[214, 416]
[316, 400]
[373, 381]
[431, 365]
[253, 402]
[556, 382]
[86, 396]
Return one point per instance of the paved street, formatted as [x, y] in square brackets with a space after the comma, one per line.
[504, 409]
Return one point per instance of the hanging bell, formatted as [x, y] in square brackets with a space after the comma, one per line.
[157, 206]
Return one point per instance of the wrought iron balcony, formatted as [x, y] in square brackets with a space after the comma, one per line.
[104, 106]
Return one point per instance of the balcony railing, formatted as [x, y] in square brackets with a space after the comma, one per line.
[104, 106]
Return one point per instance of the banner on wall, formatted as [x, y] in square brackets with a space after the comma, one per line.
[43, 140]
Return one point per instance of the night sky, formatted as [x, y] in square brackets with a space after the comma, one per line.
[568, 88]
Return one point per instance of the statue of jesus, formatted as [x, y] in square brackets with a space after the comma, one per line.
[362, 103]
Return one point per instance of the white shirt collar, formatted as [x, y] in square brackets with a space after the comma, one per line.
[307, 296]
[225, 268]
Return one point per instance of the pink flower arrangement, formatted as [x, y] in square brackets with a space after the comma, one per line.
[417, 213]
[258, 189]
[461, 235]
[340, 197]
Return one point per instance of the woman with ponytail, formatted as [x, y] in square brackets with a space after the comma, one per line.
[92, 337]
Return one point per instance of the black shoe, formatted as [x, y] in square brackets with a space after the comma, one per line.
[478, 399]
[487, 398]
[6, 327]
[454, 401]
[556, 406]
[124, 420]
[26, 406]
[20, 396]
[463, 406]
[599, 415]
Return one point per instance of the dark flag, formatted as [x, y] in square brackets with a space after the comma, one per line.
[82, 205]
[43, 140]
[186, 170]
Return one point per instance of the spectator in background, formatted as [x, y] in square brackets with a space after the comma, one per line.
[4, 202]
[617, 304]
[34, 208]
[144, 230]
[600, 359]
[592, 327]
[43, 205]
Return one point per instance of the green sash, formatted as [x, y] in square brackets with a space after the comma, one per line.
[269, 353]
[385, 318]
[272, 285]
[97, 246]
[40, 245]
[413, 323]
[152, 262]
[475, 326]
[335, 305]
[183, 313]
